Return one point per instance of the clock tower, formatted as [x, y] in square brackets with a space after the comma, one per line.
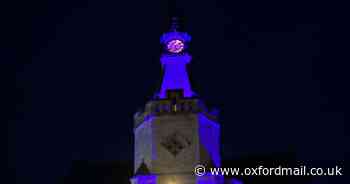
[175, 131]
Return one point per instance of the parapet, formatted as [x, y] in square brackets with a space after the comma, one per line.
[175, 103]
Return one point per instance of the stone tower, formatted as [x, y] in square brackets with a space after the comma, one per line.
[175, 131]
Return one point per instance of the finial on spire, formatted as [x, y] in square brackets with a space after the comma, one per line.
[175, 32]
[174, 24]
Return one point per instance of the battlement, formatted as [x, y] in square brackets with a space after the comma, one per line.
[175, 103]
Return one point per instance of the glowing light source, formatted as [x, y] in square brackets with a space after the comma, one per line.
[175, 46]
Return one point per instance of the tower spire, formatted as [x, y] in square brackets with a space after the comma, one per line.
[174, 24]
[174, 60]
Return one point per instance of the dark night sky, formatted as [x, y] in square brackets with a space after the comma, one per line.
[86, 66]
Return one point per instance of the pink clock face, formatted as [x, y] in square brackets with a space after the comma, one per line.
[175, 46]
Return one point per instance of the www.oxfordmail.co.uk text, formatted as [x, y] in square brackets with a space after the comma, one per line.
[200, 170]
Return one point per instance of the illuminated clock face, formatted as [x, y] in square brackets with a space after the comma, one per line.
[175, 46]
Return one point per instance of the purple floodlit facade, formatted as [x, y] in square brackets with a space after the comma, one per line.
[175, 74]
[175, 131]
[209, 133]
[145, 179]
[174, 63]
[236, 181]
[175, 35]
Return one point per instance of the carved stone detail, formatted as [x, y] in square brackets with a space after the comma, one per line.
[175, 143]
